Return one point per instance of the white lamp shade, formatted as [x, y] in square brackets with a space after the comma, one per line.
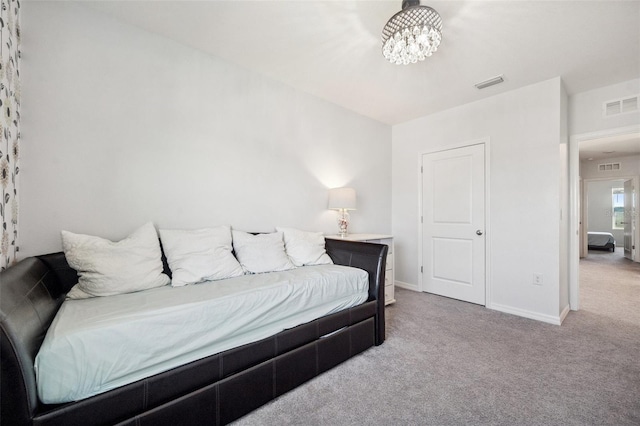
[342, 198]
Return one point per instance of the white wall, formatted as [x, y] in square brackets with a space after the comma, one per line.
[121, 126]
[524, 127]
[586, 111]
[629, 166]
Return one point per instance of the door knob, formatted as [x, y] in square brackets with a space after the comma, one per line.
[478, 232]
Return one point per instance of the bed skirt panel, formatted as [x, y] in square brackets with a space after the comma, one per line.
[233, 397]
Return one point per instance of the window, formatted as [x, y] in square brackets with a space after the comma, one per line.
[618, 208]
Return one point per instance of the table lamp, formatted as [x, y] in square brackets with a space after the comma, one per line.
[342, 200]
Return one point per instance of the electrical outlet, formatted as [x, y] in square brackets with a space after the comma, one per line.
[538, 279]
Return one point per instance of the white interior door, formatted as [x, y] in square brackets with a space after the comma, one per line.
[453, 210]
[629, 225]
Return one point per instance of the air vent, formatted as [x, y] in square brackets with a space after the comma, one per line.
[621, 106]
[612, 108]
[630, 104]
[608, 167]
[495, 80]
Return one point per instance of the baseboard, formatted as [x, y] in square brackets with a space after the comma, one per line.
[550, 319]
[412, 287]
[564, 313]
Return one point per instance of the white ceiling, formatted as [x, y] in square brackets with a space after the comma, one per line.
[610, 147]
[332, 49]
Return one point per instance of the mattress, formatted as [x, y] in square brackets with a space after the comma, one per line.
[600, 239]
[98, 344]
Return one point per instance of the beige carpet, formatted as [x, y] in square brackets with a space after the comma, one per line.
[447, 362]
[610, 285]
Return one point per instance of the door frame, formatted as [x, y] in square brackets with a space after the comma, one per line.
[635, 232]
[486, 141]
[574, 204]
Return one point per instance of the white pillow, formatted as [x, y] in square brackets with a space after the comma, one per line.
[199, 255]
[106, 268]
[305, 248]
[261, 252]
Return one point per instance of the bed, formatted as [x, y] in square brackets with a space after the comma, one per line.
[601, 241]
[215, 389]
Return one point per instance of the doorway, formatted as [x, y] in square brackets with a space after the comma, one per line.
[453, 219]
[608, 223]
[628, 137]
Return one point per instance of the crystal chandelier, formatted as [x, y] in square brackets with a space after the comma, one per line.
[412, 34]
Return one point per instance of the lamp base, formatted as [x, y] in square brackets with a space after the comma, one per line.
[343, 222]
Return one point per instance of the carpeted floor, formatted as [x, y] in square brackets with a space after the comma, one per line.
[609, 285]
[447, 362]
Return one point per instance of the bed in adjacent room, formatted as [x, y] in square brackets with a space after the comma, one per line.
[601, 241]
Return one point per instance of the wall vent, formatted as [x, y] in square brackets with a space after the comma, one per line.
[608, 167]
[621, 106]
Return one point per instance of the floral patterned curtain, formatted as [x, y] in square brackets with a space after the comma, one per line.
[9, 128]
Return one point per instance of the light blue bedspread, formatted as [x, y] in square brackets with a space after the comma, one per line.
[99, 344]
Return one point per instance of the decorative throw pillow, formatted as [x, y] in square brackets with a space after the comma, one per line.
[305, 248]
[199, 255]
[106, 268]
[261, 252]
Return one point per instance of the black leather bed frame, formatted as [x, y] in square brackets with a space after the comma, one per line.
[215, 390]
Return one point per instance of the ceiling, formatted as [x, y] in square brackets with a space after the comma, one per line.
[610, 147]
[332, 49]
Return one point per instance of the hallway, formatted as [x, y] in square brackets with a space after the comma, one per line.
[610, 286]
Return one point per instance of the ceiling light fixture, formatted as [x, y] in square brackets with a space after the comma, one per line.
[490, 82]
[412, 34]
